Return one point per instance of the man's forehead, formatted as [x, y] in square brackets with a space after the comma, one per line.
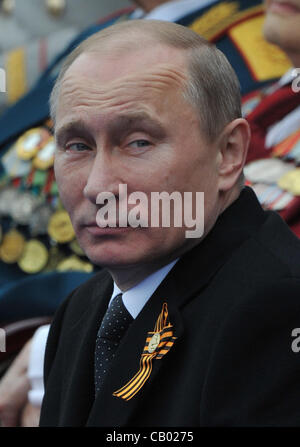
[138, 99]
[136, 63]
[110, 90]
[106, 85]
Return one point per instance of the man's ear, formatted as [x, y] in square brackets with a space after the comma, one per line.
[233, 148]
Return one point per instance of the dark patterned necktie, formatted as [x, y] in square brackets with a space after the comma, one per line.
[115, 323]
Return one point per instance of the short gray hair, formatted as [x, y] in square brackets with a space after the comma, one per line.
[212, 86]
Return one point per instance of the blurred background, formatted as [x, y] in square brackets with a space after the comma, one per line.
[32, 32]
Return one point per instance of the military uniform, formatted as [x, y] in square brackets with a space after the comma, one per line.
[236, 29]
[27, 254]
[24, 64]
[274, 153]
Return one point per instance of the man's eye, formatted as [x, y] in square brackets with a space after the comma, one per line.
[77, 147]
[139, 143]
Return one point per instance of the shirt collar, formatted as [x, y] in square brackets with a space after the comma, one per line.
[135, 298]
[172, 10]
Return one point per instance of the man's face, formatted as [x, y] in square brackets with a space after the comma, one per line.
[282, 24]
[123, 120]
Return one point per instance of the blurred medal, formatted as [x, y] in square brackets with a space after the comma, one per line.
[60, 228]
[291, 182]
[266, 170]
[75, 247]
[295, 152]
[12, 246]
[38, 222]
[45, 157]
[8, 196]
[13, 165]
[56, 7]
[23, 207]
[34, 257]
[74, 263]
[284, 148]
[7, 6]
[31, 142]
[55, 257]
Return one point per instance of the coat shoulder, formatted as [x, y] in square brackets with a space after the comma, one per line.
[279, 245]
[84, 297]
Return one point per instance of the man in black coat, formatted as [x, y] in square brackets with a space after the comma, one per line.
[208, 314]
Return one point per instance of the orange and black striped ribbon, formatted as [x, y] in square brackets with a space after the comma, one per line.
[166, 341]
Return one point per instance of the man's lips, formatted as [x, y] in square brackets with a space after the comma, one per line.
[283, 7]
[95, 230]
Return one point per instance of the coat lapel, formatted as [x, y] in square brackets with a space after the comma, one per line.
[183, 283]
[78, 363]
[109, 410]
[176, 290]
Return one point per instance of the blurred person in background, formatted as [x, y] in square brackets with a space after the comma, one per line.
[274, 117]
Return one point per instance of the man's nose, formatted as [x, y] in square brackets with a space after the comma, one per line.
[102, 177]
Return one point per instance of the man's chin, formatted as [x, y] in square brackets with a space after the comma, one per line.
[112, 262]
[112, 255]
[116, 249]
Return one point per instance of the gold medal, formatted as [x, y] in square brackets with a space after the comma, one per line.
[29, 144]
[44, 159]
[55, 257]
[12, 246]
[56, 7]
[291, 182]
[75, 247]
[60, 228]
[34, 257]
[74, 263]
[8, 6]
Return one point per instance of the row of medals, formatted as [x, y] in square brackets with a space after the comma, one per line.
[36, 232]
[54, 7]
[276, 178]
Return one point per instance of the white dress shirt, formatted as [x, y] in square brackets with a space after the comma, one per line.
[135, 298]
